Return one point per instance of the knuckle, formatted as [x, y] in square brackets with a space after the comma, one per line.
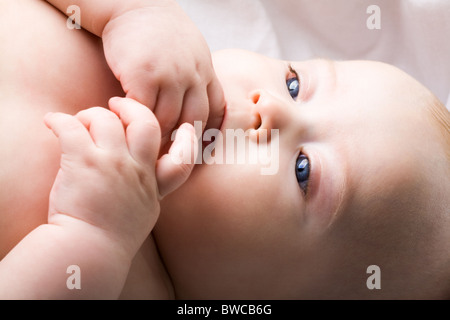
[155, 76]
[71, 124]
[197, 78]
[112, 163]
[148, 125]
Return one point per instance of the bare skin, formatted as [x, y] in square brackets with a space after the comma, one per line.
[376, 192]
[226, 245]
[32, 152]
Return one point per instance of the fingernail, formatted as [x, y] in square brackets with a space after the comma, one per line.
[46, 118]
[187, 128]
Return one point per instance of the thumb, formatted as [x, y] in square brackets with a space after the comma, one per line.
[175, 167]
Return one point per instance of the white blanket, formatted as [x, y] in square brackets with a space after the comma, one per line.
[413, 35]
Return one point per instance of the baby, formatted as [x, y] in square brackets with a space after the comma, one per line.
[363, 179]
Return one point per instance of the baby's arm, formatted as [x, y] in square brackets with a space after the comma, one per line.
[103, 204]
[96, 14]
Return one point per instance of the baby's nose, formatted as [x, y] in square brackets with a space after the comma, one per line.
[273, 112]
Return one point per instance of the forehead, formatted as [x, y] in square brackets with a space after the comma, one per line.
[371, 96]
[375, 126]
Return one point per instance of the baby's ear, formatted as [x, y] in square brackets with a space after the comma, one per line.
[175, 167]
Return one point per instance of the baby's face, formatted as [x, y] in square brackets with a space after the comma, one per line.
[348, 166]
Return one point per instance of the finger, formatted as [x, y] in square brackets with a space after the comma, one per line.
[195, 106]
[174, 168]
[142, 90]
[216, 100]
[168, 109]
[105, 127]
[143, 134]
[73, 136]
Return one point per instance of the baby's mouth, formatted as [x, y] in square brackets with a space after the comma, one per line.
[234, 118]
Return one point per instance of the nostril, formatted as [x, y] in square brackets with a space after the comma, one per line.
[255, 97]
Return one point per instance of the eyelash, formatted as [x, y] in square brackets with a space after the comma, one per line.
[304, 186]
[292, 70]
[291, 79]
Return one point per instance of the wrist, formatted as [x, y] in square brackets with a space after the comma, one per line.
[126, 7]
[94, 241]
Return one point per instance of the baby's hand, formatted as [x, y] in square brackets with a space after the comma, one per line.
[163, 61]
[110, 177]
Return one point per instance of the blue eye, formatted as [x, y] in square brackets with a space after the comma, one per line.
[302, 170]
[293, 85]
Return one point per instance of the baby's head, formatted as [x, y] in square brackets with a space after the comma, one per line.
[362, 179]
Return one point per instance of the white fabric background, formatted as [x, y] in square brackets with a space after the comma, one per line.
[414, 34]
